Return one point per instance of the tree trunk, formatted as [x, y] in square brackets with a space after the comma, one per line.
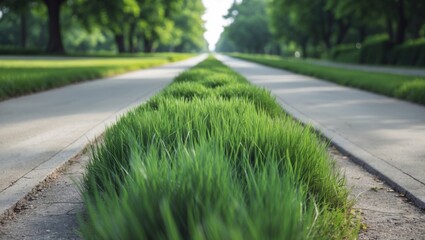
[23, 29]
[362, 33]
[327, 30]
[342, 31]
[327, 41]
[119, 40]
[171, 48]
[147, 45]
[55, 44]
[304, 48]
[137, 44]
[131, 33]
[415, 8]
[390, 28]
[401, 23]
[42, 38]
[179, 48]
[415, 28]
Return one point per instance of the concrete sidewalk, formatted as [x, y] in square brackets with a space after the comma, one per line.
[40, 132]
[370, 68]
[385, 135]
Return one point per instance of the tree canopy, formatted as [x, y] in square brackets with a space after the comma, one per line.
[313, 27]
[248, 31]
[81, 25]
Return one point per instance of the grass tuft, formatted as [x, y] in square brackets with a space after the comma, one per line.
[225, 164]
[413, 91]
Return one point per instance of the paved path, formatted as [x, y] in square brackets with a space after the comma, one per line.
[53, 211]
[40, 132]
[384, 134]
[369, 68]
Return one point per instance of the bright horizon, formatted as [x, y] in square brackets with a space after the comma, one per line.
[214, 21]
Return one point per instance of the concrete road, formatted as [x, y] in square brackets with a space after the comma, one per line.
[385, 135]
[38, 133]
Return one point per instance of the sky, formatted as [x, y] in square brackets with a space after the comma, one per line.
[214, 21]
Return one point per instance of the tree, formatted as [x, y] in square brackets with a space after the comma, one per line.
[21, 8]
[109, 14]
[131, 20]
[308, 21]
[155, 24]
[55, 44]
[188, 32]
[249, 30]
[135, 24]
[416, 8]
[282, 22]
[397, 17]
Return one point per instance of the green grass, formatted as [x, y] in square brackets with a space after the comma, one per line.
[20, 76]
[407, 88]
[212, 157]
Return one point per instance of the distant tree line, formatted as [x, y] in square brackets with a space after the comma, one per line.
[94, 25]
[315, 27]
[248, 31]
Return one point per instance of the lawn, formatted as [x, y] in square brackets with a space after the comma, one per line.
[20, 76]
[213, 157]
[407, 88]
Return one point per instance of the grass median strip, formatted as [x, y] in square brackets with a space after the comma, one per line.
[20, 76]
[213, 157]
[407, 88]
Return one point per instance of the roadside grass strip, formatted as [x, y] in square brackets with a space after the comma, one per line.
[20, 76]
[403, 87]
[213, 157]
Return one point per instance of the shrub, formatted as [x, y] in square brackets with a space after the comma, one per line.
[14, 50]
[348, 53]
[412, 91]
[187, 91]
[261, 98]
[411, 53]
[375, 52]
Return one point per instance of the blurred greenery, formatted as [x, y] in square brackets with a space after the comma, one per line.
[248, 31]
[359, 31]
[370, 32]
[95, 26]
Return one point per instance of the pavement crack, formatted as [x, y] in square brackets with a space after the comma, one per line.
[51, 203]
[380, 211]
[70, 212]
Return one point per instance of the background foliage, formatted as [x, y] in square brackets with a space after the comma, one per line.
[361, 31]
[30, 26]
